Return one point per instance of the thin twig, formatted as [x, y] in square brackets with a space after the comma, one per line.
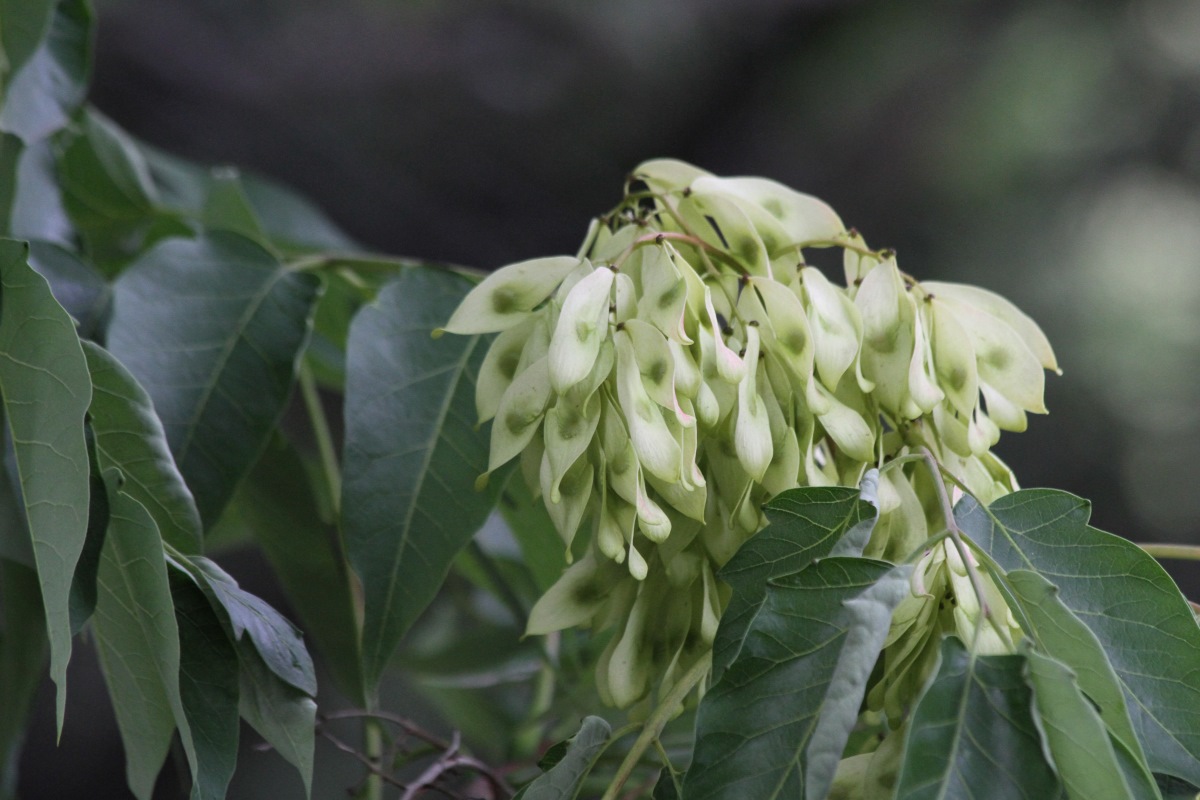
[450, 758]
[657, 721]
[375, 769]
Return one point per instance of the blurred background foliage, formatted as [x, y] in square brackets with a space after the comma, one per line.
[1047, 151]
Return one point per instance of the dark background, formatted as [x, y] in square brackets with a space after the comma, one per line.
[1047, 151]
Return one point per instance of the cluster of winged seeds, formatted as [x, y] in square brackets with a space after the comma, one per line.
[689, 364]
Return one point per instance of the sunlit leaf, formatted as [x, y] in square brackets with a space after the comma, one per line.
[1128, 601]
[412, 453]
[1063, 636]
[213, 329]
[46, 389]
[1074, 735]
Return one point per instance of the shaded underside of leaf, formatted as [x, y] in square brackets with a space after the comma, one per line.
[46, 389]
[213, 329]
[412, 453]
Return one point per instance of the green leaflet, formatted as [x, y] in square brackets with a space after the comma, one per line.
[46, 390]
[129, 436]
[972, 734]
[776, 723]
[138, 640]
[213, 329]
[283, 715]
[1063, 636]
[563, 780]
[1075, 736]
[252, 622]
[805, 524]
[412, 454]
[208, 687]
[1137, 614]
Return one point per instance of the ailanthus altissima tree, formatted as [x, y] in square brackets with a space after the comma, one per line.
[753, 522]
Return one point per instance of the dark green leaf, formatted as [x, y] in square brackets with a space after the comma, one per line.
[285, 521]
[972, 734]
[104, 173]
[1074, 735]
[777, 722]
[41, 96]
[15, 544]
[22, 659]
[129, 436]
[208, 687]
[107, 191]
[1175, 789]
[10, 157]
[83, 585]
[138, 639]
[805, 524]
[290, 220]
[77, 286]
[213, 329]
[1128, 601]
[46, 388]
[412, 454]
[226, 208]
[668, 785]
[278, 643]
[26, 23]
[282, 714]
[563, 780]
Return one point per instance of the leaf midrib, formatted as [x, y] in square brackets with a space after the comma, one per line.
[431, 447]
